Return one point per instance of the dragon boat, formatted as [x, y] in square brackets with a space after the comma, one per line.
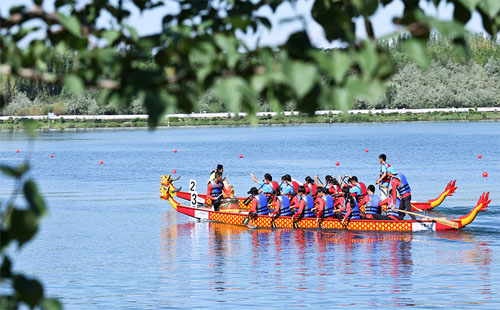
[242, 218]
[166, 180]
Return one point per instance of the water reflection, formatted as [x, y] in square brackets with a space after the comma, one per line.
[286, 262]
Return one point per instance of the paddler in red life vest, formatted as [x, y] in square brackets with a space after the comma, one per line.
[259, 203]
[267, 186]
[384, 177]
[350, 210]
[281, 204]
[400, 186]
[215, 189]
[311, 187]
[304, 204]
[358, 190]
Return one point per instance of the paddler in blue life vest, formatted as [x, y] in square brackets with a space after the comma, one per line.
[304, 203]
[267, 186]
[215, 189]
[400, 186]
[392, 214]
[384, 177]
[373, 209]
[259, 203]
[324, 204]
[281, 204]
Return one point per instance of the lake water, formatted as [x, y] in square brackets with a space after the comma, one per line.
[110, 242]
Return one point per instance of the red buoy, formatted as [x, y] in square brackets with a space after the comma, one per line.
[17, 151]
[173, 171]
[241, 156]
[337, 164]
[101, 162]
[485, 174]
[366, 150]
[175, 151]
[479, 156]
[51, 155]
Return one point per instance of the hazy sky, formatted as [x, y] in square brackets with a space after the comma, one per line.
[150, 21]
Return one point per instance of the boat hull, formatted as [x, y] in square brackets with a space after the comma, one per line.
[265, 221]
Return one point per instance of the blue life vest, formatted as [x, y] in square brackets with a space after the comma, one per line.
[216, 189]
[328, 208]
[372, 207]
[308, 212]
[262, 208]
[391, 212]
[354, 210]
[284, 206]
[403, 187]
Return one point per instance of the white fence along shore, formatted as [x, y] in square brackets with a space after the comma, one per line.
[225, 115]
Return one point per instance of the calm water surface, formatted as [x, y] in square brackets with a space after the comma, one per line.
[110, 242]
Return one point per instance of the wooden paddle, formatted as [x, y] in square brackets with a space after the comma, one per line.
[435, 219]
[419, 210]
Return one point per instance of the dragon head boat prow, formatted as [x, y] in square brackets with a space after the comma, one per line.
[167, 180]
[448, 191]
[481, 205]
[167, 193]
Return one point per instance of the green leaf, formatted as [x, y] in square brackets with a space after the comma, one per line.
[51, 304]
[367, 59]
[228, 45]
[8, 303]
[449, 29]
[336, 21]
[365, 7]
[16, 172]
[491, 7]
[335, 64]
[71, 24]
[6, 269]
[470, 4]
[28, 290]
[74, 84]
[369, 91]
[22, 226]
[416, 50]
[258, 82]
[30, 126]
[230, 91]
[342, 99]
[111, 35]
[156, 104]
[34, 198]
[301, 76]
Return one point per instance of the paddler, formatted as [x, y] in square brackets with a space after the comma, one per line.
[267, 186]
[350, 209]
[324, 204]
[304, 203]
[311, 187]
[372, 209]
[281, 204]
[384, 177]
[259, 203]
[358, 190]
[392, 214]
[220, 169]
[400, 186]
[215, 189]
[287, 187]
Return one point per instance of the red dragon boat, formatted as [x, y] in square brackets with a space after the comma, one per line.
[242, 218]
[167, 180]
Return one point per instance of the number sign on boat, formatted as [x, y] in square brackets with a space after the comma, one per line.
[192, 185]
[194, 199]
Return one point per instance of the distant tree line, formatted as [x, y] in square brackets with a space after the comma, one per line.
[455, 78]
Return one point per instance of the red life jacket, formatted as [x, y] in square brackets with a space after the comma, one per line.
[386, 179]
[364, 192]
[295, 186]
[311, 189]
[275, 185]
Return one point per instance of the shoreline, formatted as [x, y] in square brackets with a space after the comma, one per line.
[62, 122]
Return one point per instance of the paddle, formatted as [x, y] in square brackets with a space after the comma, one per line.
[249, 198]
[435, 219]
[420, 210]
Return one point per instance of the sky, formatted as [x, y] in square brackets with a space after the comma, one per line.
[150, 21]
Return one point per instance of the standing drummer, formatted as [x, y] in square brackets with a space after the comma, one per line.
[384, 178]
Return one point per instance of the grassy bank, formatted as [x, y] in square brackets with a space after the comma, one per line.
[12, 124]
